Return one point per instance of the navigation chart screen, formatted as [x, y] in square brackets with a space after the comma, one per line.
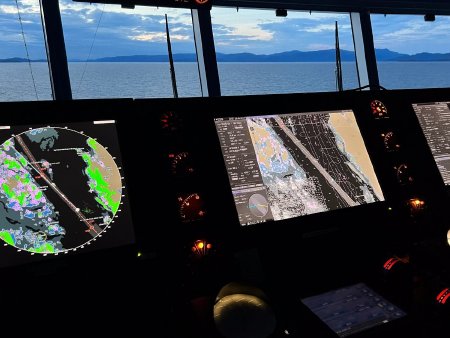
[284, 166]
[352, 309]
[434, 118]
[61, 190]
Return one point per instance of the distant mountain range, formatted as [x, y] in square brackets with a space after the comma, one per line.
[291, 56]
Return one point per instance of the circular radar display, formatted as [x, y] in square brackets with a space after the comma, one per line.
[59, 190]
[258, 205]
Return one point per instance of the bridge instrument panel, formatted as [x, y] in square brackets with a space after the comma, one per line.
[347, 176]
[287, 156]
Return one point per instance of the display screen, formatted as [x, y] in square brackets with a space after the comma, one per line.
[284, 166]
[61, 191]
[352, 309]
[434, 118]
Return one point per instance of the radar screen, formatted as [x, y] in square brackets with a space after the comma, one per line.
[61, 189]
[284, 166]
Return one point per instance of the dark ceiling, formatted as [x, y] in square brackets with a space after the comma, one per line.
[374, 6]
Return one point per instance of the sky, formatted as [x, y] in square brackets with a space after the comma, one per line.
[141, 31]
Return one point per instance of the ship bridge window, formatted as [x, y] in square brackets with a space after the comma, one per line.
[261, 53]
[412, 52]
[21, 39]
[116, 52]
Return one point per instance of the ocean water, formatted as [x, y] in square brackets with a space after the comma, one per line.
[146, 80]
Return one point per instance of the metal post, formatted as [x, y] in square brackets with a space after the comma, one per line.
[206, 53]
[171, 66]
[56, 49]
[366, 62]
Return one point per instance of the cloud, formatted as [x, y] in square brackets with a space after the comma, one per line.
[299, 30]
[416, 31]
[231, 15]
[8, 37]
[247, 31]
[179, 29]
[121, 31]
[319, 28]
[125, 31]
[143, 13]
[25, 6]
[228, 43]
[411, 34]
[325, 28]
[319, 46]
[158, 36]
[241, 25]
[7, 9]
[318, 16]
[30, 3]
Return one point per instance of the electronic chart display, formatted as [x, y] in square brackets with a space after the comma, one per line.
[61, 190]
[434, 118]
[284, 166]
[352, 309]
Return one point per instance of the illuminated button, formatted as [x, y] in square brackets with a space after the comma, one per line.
[170, 122]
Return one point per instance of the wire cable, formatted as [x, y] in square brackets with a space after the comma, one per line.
[26, 49]
[90, 49]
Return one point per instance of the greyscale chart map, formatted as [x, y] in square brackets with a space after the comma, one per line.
[284, 166]
[434, 118]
